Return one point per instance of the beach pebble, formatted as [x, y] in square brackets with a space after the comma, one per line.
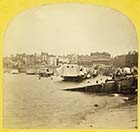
[96, 105]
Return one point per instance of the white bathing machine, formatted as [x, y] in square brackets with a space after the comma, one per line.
[72, 72]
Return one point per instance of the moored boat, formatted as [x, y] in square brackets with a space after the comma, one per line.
[45, 72]
[14, 71]
[30, 71]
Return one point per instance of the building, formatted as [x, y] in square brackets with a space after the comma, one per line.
[74, 59]
[119, 61]
[101, 55]
[85, 60]
[95, 58]
[64, 60]
[128, 60]
[131, 59]
[44, 57]
[53, 60]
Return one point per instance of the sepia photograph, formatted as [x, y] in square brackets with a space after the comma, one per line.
[70, 66]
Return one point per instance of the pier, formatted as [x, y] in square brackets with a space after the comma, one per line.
[122, 85]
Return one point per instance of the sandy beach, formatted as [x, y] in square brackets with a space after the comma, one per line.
[110, 114]
[45, 105]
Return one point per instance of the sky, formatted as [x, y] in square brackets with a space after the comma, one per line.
[70, 29]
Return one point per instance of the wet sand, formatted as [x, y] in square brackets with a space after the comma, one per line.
[111, 113]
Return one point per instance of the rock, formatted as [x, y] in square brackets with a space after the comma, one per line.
[91, 125]
[96, 105]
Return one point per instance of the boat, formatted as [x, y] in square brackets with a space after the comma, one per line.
[45, 72]
[14, 71]
[73, 72]
[30, 71]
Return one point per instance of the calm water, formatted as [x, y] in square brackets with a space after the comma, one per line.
[33, 103]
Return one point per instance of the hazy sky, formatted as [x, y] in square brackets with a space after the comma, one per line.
[70, 28]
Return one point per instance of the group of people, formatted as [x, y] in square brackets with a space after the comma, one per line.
[125, 71]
